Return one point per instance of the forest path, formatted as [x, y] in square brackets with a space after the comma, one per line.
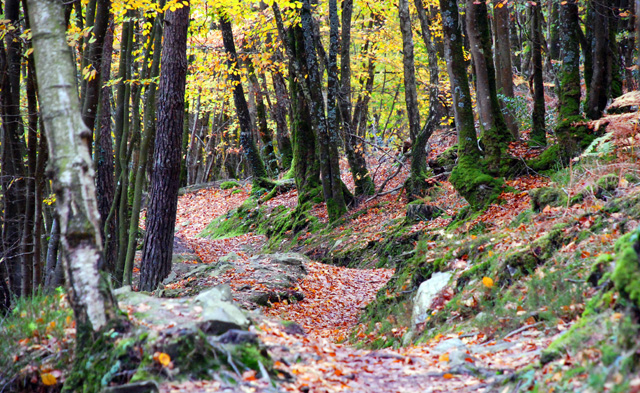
[334, 299]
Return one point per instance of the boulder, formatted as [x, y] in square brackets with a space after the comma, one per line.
[219, 314]
[547, 196]
[419, 212]
[427, 292]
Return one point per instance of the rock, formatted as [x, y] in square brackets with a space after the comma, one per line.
[459, 358]
[209, 298]
[427, 291]
[447, 346]
[418, 212]
[236, 337]
[278, 270]
[178, 258]
[547, 196]
[294, 329]
[229, 258]
[264, 298]
[219, 315]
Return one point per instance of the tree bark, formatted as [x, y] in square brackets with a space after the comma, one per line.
[244, 118]
[468, 176]
[353, 147]
[163, 195]
[504, 69]
[538, 126]
[495, 135]
[72, 168]
[323, 124]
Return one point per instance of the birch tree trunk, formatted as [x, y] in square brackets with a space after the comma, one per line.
[72, 169]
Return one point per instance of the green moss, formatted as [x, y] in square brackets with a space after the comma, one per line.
[547, 196]
[626, 274]
[478, 188]
[549, 159]
[251, 356]
[229, 184]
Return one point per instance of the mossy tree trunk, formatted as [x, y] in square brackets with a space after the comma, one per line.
[553, 29]
[572, 138]
[495, 134]
[416, 184]
[325, 125]
[468, 176]
[89, 294]
[353, 146]
[260, 176]
[538, 126]
[163, 196]
[306, 167]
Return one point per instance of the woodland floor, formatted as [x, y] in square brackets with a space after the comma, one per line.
[318, 360]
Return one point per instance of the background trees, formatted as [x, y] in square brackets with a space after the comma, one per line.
[280, 90]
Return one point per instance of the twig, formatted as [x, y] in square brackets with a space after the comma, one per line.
[384, 193]
[399, 161]
[522, 329]
[384, 183]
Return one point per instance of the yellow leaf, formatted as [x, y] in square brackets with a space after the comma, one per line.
[48, 379]
[444, 357]
[163, 359]
[488, 282]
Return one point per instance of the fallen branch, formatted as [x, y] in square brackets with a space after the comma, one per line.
[522, 329]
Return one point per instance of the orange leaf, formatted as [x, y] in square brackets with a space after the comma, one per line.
[447, 376]
[488, 282]
[48, 379]
[249, 375]
[444, 357]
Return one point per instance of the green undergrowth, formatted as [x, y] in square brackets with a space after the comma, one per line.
[33, 334]
[545, 280]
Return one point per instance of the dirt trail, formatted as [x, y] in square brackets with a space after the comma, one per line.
[334, 298]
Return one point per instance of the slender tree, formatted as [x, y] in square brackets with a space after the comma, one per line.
[260, 176]
[163, 195]
[468, 176]
[538, 126]
[495, 134]
[504, 69]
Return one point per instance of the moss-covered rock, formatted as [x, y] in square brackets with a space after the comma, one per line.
[547, 196]
[229, 184]
[626, 274]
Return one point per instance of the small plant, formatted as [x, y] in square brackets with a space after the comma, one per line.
[34, 341]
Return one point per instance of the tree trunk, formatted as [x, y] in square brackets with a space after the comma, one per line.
[324, 125]
[408, 63]
[597, 95]
[468, 176]
[495, 135]
[105, 182]
[538, 126]
[163, 195]
[553, 28]
[249, 147]
[504, 69]
[12, 148]
[73, 176]
[149, 133]
[353, 147]
[280, 116]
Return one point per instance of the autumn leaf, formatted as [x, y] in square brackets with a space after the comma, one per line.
[48, 379]
[444, 357]
[447, 376]
[488, 282]
[162, 358]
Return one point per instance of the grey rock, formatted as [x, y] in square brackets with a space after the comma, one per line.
[427, 291]
[136, 387]
[219, 315]
[418, 212]
[449, 345]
